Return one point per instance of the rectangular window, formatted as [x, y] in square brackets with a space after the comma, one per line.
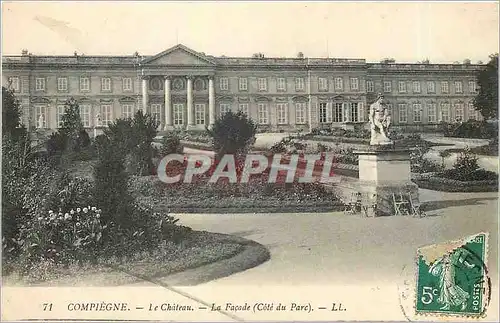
[444, 87]
[281, 84]
[459, 112]
[445, 112]
[62, 84]
[322, 84]
[472, 112]
[262, 84]
[14, 83]
[431, 113]
[416, 86]
[224, 83]
[472, 86]
[178, 114]
[354, 112]
[127, 111]
[369, 86]
[282, 112]
[199, 113]
[41, 115]
[299, 84]
[61, 110]
[402, 87]
[339, 83]
[403, 113]
[85, 115]
[40, 84]
[389, 108]
[84, 84]
[300, 113]
[323, 112]
[224, 108]
[417, 112]
[127, 84]
[387, 86]
[263, 113]
[431, 87]
[106, 115]
[156, 112]
[105, 84]
[338, 112]
[354, 84]
[458, 87]
[243, 84]
[243, 107]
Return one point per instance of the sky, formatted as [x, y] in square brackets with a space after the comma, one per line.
[443, 32]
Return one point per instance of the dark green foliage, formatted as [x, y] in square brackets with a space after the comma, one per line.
[473, 129]
[170, 144]
[233, 134]
[486, 100]
[11, 114]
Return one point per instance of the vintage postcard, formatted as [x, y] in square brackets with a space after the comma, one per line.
[250, 161]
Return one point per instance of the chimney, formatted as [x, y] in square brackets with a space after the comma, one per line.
[24, 52]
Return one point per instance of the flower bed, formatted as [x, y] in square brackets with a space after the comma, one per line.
[436, 182]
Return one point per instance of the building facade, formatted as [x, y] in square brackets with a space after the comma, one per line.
[186, 89]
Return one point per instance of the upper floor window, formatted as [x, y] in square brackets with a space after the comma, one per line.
[127, 84]
[262, 84]
[369, 86]
[387, 86]
[224, 83]
[354, 83]
[281, 84]
[431, 87]
[402, 87]
[84, 83]
[299, 84]
[458, 87]
[339, 83]
[472, 86]
[40, 84]
[14, 83]
[416, 87]
[105, 84]
[243, 84]
[444, 87]
[323, 84]
[62, 84]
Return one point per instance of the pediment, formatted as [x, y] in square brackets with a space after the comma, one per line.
[179, 55]
[127, 99]
[39, 99]
[300, 98]
[225, 98]
[262, 99]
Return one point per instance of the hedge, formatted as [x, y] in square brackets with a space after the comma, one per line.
[433, 182]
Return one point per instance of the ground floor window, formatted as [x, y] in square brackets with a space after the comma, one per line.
[243, 108]
[85, 115]
[431, 113]
[445, 112]
[300, 113]
[417, 112]
[323, 112]
[472, 111]
[338, 112]
[281, 110]
[403, 113]
[178, 114]
[354, 112]
[61, 111]
[106, 115]
[263, 113]
[156, 112]
[41, 116]
[199, 113]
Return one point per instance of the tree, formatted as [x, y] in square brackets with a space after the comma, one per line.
[11, 113]
[486, 100]
[233, 134]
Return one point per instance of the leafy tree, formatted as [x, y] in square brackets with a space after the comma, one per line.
[486, 100]
[233, 134]
[72, 125]
[11, 114]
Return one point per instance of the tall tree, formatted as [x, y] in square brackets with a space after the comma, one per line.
[11, 112]
[486, 100]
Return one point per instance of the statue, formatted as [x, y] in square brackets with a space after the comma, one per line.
[98, 120]
[41, 122]
[379, 123]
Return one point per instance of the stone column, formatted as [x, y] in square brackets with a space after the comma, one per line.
[144, 94]
[168, 104]
[190, 117]
[211, 101]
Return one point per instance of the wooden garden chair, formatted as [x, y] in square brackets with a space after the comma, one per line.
[355, 204]
[401, 206]
[415, 207]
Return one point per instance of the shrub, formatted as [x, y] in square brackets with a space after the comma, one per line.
[170, 144]
[472, 129]
[419, 164]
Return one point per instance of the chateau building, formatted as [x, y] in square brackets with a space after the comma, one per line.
[186, 89]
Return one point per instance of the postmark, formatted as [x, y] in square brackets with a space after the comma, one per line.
[452, 278]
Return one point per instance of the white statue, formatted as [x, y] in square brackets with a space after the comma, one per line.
[98, 120]
[41, 122]
[379, 123]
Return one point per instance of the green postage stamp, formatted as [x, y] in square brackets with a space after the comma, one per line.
[452, 278]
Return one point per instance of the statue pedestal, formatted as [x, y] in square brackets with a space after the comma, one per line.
[383, 171]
